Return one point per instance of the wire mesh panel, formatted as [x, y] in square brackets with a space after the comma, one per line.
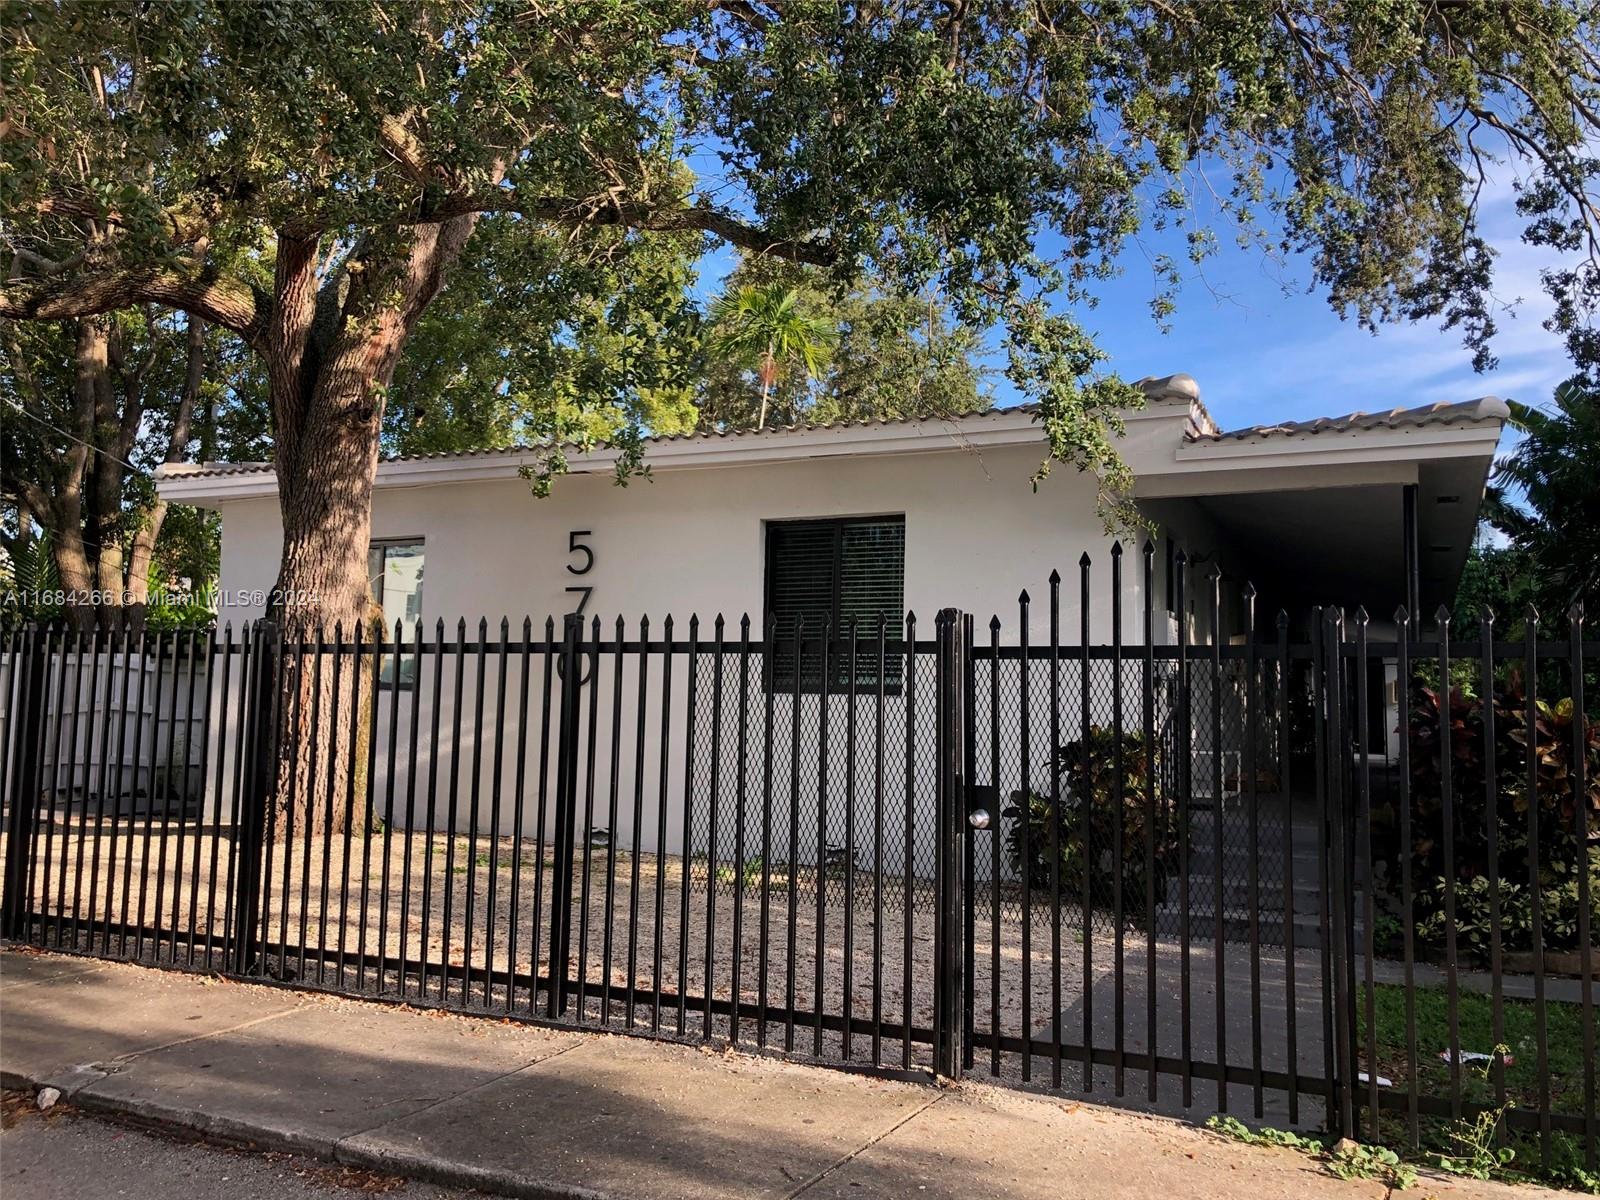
[120, 748]
[810, 810]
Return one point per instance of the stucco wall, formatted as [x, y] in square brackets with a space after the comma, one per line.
[691, 541]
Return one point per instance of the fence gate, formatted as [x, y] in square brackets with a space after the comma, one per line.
[1285, 874]
[1226, 863]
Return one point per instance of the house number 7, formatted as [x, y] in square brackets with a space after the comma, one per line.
[576, 546]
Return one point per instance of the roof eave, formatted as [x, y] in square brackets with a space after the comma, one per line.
[1001, 427]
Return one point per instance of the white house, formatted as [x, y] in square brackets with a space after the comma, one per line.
[1313, 512]
[845, 522]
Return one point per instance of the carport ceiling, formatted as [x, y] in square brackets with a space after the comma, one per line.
[1319, 546]
[1346, 545]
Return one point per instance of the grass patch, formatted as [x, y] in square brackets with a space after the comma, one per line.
[1482, 1147]
[1475, 1018]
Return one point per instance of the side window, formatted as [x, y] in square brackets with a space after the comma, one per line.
[395, 571]
[826, 575]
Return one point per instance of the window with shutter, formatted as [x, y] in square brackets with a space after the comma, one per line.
[821, 577]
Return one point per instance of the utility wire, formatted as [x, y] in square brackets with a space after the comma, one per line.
[71, 438]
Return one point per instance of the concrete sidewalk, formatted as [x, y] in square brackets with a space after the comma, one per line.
[523, 1111]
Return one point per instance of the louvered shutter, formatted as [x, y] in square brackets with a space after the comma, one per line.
[820, 576]
[872, 584]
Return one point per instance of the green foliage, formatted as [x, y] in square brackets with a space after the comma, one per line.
[1236, 1130]
[537, 341]
[1546, 501]
[1474, 1151]
[1553, 790]
[28, 584]
[1343, 1160]
[1000, 157]
[188, 611]
[1356, 1160]
[1496, 580]
[188, 553]
[766, 328]
[91, 467]
[1517, 1069]
[1477, 915]
[890, 356]
[1086, 824]
[1478, 1146]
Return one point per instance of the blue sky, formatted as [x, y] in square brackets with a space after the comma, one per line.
[1265, 349]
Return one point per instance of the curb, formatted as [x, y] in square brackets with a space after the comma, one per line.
[347, 1151]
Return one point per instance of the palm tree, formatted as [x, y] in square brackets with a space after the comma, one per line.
[765, 325]
[1546, 499]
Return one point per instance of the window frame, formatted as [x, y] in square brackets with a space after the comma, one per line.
[839, 682]
[394, 678]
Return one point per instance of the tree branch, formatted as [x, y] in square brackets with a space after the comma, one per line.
[184, 224]
[406, 148]
[570, 211]
[198, 289]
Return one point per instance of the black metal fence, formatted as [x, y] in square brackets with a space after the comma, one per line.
[444, 820]
[1228, 862]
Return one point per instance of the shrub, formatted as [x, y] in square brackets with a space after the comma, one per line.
[1087, 822]
[1469, 720]
[1558, 912]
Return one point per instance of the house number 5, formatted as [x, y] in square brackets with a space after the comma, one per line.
[577, 546]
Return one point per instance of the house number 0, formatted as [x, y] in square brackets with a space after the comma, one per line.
[576, 547]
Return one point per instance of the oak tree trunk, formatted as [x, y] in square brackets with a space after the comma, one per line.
[333, 353]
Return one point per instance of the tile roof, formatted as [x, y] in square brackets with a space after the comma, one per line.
[213, 469]
[1199, 428]
[1467, 412]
